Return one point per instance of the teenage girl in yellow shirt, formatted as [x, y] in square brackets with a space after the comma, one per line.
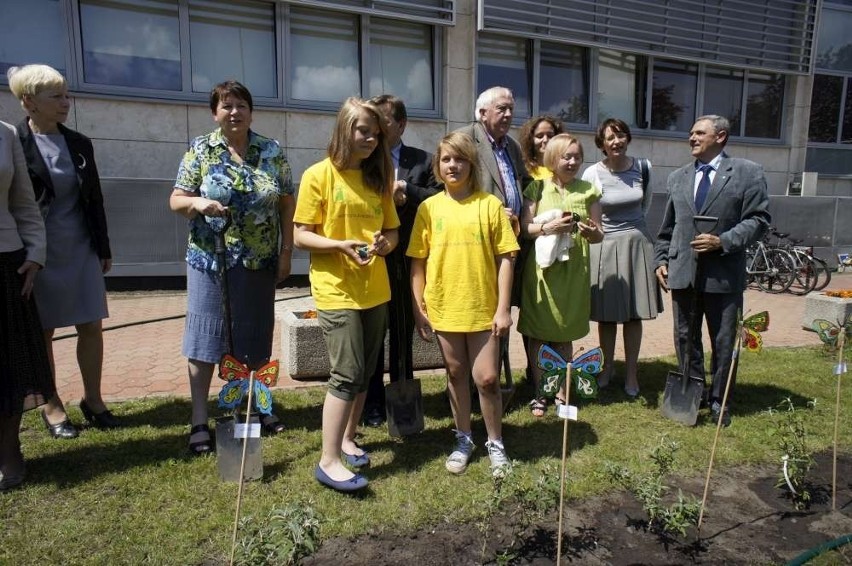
[461, 280]
[346, 218]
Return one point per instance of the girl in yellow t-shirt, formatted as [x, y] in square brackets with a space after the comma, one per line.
[461, 281]
[346, 218]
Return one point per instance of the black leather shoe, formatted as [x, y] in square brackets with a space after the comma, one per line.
[65, 429]
[104, 419]
[374, 417]
[715, 410]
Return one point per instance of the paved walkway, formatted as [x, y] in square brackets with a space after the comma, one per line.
[143, 338]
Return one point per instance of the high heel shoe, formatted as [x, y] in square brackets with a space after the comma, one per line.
[104, 419]
[65, 430]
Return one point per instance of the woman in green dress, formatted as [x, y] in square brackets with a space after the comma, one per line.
[555, 300]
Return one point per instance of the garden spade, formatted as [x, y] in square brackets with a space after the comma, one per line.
[682, 396]
[403, 398]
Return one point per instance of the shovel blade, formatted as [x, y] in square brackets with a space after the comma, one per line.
[682, 398]
[404, 403]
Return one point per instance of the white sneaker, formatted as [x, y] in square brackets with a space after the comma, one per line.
[457, 462]
[500, 463]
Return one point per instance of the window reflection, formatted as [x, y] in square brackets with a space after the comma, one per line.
[764, 105]
[564, 82]
[825, 108]
[723, 95]
[503, 62]
[233, 40]
[134, 44]
[834, 46]
[324, 62]
[401, 62]
[37, 35]
[620, 87]
[673, 95]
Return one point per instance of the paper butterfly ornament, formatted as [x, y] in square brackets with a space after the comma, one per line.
[751, 328]
[583, 369]
[829, 332]
[236, 374]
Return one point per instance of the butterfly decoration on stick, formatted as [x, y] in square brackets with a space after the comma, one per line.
[236, 375]
[752, 326]
[829, 332]
[584, 368]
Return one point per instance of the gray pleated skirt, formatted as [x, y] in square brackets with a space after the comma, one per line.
[252, 298]
[624, 286]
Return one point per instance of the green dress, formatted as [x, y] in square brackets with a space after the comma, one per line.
[556, 301]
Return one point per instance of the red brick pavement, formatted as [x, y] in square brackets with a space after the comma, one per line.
[144, 359]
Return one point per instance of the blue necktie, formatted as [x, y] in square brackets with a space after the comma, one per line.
[703, 187]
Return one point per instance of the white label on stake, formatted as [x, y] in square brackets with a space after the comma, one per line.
[840, 368]
[250, 431]
[567, 412]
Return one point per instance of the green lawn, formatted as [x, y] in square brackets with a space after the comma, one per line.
[135, 496]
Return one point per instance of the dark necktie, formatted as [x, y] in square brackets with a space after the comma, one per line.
[703, 187]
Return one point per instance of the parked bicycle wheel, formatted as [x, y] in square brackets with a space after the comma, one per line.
[806, 274]
[779, 272]
[823, 274]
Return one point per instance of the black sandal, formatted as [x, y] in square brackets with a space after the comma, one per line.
[271, 424]
[201, 447]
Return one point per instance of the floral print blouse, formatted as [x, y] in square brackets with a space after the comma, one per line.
[250, 190]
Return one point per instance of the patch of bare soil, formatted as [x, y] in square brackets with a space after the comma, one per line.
[747, 521]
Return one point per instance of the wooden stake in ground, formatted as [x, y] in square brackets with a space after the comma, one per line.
[839, 370]
[734, 357]
[564, 413]
[246, 435]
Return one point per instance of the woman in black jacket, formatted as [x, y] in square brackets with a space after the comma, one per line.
[70, 290]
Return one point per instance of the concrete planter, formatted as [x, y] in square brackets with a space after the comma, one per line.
[303, 350]
[832, 309]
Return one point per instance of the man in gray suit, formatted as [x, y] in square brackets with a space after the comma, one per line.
[704, 265]
[504, 174]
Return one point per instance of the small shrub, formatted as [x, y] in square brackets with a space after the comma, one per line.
[792, 436]
[650, 489]
[285, 536]
[525, 498]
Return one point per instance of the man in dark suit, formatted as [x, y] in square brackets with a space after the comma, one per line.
[704, 263]
[415, 183]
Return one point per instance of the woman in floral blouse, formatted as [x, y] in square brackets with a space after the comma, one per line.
[232, 173]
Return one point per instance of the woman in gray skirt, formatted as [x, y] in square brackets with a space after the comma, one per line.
[235, 173]
[25, 379]
[624, 288]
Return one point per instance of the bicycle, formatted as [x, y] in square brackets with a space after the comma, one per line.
[772, 269]
[812, 273]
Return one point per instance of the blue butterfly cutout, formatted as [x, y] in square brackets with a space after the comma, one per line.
[583, 368]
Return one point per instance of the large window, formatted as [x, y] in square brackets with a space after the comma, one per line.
[323, 56]
[504, 62]
[401, 62]
[286, 54]
[830, 130]
[650, 93]
[25, 20]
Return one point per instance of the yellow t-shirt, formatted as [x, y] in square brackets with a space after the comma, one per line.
[460, 240]
[340, 207]
[541, 173]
